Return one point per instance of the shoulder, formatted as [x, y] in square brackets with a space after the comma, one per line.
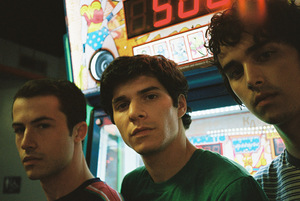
[93, 190]
[271, 170]
[279, 179]
[137, 178]
[243, 188]
[136, 174]
[211, 166]
[100, 188]
[233, 180]
[213, 161]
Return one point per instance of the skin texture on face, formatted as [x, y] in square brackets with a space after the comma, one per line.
[145, 116]
[42, 136]
[266, 78]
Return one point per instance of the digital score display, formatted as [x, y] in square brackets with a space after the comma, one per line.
[143, 16]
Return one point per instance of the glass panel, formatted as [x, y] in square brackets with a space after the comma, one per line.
[116, 159]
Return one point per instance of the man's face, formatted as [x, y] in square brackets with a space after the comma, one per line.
[145, 116]
[265, 77]
[42, 136]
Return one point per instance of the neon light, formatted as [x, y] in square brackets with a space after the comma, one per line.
[183, 14]
[213, 5]
[164, 7]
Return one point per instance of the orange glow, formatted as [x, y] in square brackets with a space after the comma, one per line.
[213, 5]
[262, 9]
[252, 11]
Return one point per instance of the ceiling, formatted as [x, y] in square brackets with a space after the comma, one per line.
[39, 25]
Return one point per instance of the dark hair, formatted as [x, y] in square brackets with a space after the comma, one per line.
[71, 99]
[279, 24]
[126, 68]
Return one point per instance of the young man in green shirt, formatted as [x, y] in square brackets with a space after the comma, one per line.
[146, 99]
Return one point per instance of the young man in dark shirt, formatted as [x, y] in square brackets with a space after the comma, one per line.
[49, 123]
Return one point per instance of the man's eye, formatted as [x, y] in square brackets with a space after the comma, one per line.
[151, 96]
[121, 106]
[19, 130]
[265, 56]
[235, 73]
[43, 126]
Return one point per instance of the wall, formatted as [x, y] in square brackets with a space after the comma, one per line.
[10, 81]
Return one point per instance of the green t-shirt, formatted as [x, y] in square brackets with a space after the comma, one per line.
[206, 176]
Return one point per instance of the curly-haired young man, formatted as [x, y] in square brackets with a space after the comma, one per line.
[256, 46]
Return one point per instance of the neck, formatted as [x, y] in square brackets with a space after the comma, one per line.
[68, 179]
[165, 164]
[289, 133]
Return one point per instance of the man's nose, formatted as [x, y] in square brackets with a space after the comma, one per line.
[28, 140]
[254, 76]
[136, 111]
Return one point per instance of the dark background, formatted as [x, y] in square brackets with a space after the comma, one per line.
[39, 25]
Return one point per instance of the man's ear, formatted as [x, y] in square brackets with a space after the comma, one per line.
[80, 131]
[182, 105]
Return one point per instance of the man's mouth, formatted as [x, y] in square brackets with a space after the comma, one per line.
[140, 130]
[263, 99]
[30, 160]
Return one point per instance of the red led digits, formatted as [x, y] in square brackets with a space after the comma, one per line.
[183, 11]
[144, 16]
[211, 4]
[185, 14]
[167, 8]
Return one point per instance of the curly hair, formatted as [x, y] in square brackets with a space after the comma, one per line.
[280, 24]
[126, 68]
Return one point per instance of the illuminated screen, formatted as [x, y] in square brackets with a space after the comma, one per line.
[143, 16]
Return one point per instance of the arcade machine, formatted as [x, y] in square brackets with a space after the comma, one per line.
[101, 30]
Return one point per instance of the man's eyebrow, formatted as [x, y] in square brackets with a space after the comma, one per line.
[256, 46]
[248, 51]
[118, 99]
[148, 89]
[143, 91]
[33, 121]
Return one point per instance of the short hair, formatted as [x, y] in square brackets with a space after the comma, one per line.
[280, 24]
[126, 68]
[71, 99]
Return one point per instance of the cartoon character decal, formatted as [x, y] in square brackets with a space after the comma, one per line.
[99, 47]
[97, 34]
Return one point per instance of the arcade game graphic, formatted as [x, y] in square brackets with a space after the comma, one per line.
[101, 30]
